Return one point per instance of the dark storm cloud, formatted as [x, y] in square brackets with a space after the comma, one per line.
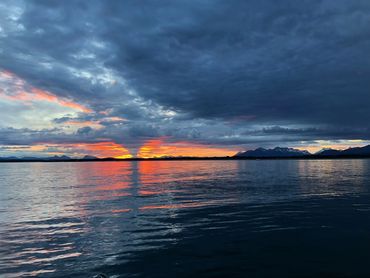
[328, 133]
[303, 62]
[220, 72]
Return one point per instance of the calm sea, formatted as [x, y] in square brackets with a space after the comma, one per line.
[278, 218]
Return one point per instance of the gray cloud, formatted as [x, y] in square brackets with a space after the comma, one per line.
[220, 72]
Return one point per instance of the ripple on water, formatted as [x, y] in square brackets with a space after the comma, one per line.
[182, 218]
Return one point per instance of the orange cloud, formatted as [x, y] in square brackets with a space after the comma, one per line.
[150, 148]
[160, 148]
[45, 95]
[114, 119]
[20, 91]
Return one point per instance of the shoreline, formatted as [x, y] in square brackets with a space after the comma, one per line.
[311, 157]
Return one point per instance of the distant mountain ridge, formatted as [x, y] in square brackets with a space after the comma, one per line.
[357, 151]
[291, 152]
[31, 158]
[276, 152]
[328, 151]
[51, 158]
[90, 157]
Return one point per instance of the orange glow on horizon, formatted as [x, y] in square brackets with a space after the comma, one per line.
[151, 149]
[160, 148]
[106, 149]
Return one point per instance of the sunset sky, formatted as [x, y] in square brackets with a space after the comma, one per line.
[182, 78]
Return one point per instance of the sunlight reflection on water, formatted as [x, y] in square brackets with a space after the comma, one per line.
[62, 218]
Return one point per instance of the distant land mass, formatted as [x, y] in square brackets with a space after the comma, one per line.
[295, 153]
[259, 153]
[276, 152]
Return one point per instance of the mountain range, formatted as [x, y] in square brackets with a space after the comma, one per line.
[290, 152]
[276, 152]
[50, 158]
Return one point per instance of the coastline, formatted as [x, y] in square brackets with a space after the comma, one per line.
[310, 157]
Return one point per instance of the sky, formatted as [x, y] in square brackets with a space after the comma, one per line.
[182, 78]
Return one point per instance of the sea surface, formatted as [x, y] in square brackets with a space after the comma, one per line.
[260, 218]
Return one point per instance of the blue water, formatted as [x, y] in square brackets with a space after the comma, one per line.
[278, 218]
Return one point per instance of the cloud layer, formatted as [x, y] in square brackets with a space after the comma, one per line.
[230, 74]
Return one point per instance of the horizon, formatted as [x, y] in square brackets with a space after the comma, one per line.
[170, 80]
[44, 156]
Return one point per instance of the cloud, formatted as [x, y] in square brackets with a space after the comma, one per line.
[84, 130]
[225, 73]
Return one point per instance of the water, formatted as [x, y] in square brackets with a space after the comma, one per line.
[278, 218]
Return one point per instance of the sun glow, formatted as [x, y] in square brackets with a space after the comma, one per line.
[106, 149]
[161, 148]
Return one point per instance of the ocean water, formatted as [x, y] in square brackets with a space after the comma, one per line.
[262, 218]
